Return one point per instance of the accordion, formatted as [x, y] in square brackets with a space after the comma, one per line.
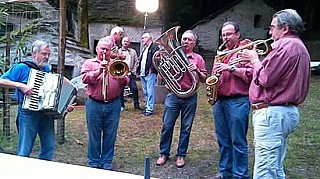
[52, 93]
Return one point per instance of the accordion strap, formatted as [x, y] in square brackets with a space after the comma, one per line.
[31, 65]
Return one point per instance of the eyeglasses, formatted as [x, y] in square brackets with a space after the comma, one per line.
[228, 34]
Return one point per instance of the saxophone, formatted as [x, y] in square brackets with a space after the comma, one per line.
[212, 81]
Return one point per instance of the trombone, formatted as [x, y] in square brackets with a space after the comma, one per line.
[105, 80]
[116, 67]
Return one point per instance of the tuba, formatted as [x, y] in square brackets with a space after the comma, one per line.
[172, 64]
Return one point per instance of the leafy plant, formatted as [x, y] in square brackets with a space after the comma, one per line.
[3, 14]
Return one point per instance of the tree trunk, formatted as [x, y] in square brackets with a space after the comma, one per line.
[83, 23]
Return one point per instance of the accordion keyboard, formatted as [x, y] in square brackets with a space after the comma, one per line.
[36, 83]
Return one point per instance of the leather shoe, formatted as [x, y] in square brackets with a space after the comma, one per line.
[147, 113]
[180, 162]
[138, 108]
[162, 160]
[218, 176]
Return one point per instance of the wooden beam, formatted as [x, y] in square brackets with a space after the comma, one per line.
[23, 0]
[61, 62]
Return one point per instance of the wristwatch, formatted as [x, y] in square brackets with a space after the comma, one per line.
[232, 69]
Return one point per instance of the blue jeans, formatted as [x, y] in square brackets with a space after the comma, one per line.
[148, 86]
[272, 125]
[102, 123]
[173, 106]
[134, 91]
[31, 124]
[231, 118]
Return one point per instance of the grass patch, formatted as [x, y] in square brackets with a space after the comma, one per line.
[138, 137]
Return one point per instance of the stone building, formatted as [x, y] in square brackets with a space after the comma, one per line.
[253, 17]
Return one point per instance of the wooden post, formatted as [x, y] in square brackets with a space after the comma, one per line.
[61, 61]
[5, 93]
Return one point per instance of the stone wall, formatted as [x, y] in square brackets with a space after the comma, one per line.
[244, 13]
[120, 12]
[98, 30]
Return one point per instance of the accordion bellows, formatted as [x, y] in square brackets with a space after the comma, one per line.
[52, 93]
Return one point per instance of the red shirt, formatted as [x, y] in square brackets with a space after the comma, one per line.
[231, 84]
[196, 59]
[94, 88]
[284, 75]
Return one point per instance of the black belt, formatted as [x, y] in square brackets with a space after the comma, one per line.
[265, 105]
[101, 101]
[232, 97]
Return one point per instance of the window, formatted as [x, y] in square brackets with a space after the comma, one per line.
[4, 29]
[68, 70]
[257, 21]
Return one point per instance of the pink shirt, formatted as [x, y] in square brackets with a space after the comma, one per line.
[284, 75]
[231, 84]
[196, 59]
[94, 88]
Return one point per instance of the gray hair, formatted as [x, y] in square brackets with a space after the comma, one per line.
[148, 35]
[116, 30]
[234, 24]
[191, 32]
[38, 45]
[292, 19]
[108, 40]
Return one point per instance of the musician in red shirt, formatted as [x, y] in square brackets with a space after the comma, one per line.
[231, 110]
[280, 83]
[102, 115]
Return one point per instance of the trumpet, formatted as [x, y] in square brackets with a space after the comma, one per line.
[212, 81]
[247, 45]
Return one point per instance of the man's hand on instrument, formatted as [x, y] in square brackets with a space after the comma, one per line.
[121, 56]
[103, 65]
[250, 56]
[71, 107]
[27, 90]
[220, 67]
[193, 67]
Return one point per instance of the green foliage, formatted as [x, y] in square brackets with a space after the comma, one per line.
[3, 14]
[18, 39]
